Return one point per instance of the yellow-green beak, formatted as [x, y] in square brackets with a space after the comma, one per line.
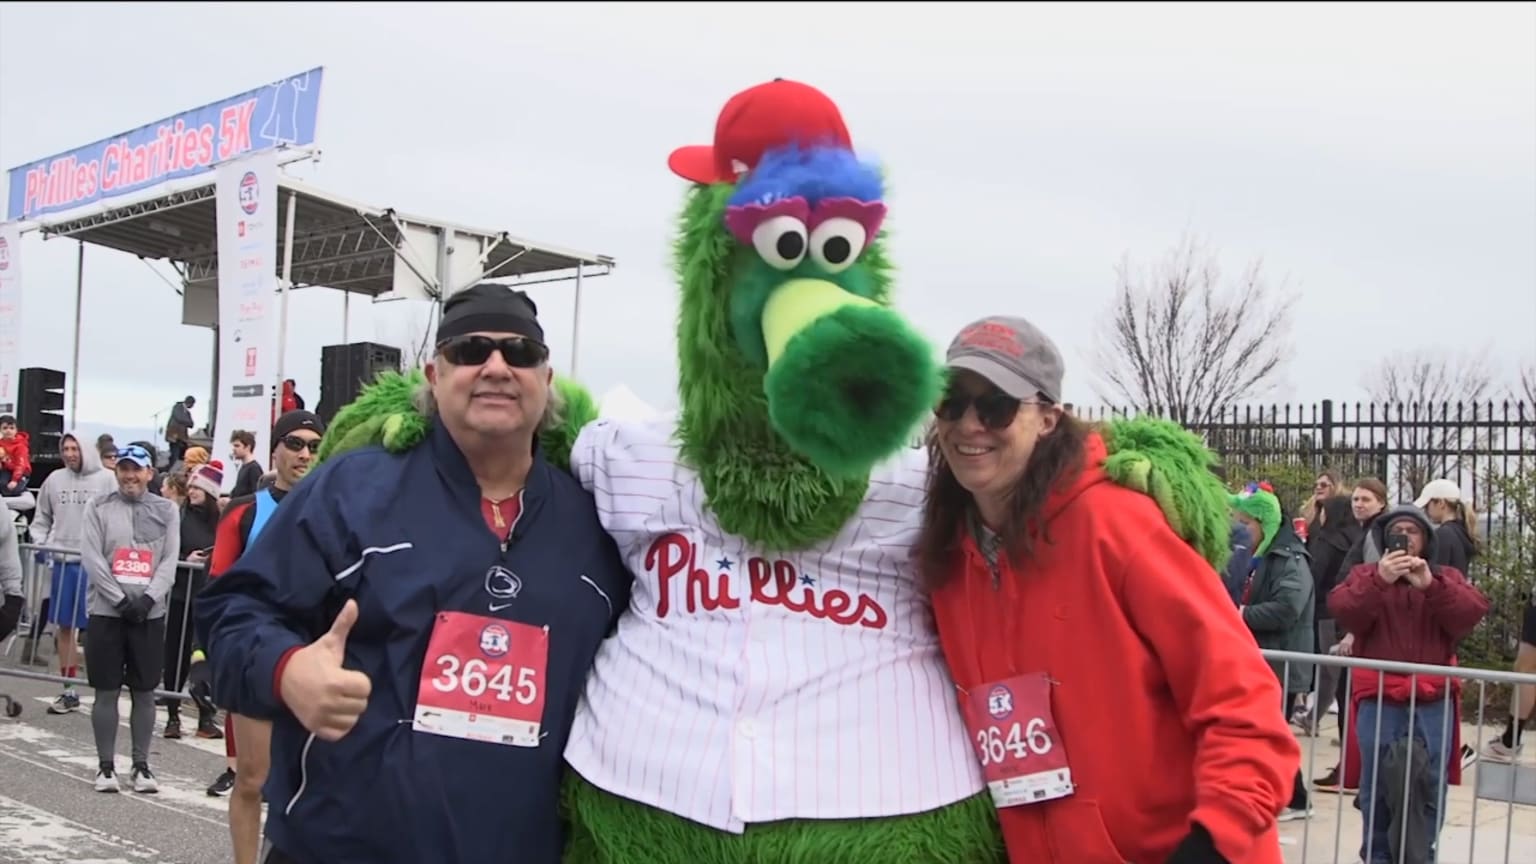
[797, 304]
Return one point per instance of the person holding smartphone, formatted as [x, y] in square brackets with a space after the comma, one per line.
[1405, 609]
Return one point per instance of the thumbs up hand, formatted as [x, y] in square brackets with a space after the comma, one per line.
[326, 698]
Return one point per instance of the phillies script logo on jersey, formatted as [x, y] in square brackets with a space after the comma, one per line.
[770, 583]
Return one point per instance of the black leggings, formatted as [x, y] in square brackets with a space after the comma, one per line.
[178, 648]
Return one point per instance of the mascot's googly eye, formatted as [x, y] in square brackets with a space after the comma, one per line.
[780, 241]
[837, 242]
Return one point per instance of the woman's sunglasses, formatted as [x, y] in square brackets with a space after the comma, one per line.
[520, 353]
[295, 444]
[994, 408]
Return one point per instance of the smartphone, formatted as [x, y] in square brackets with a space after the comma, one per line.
[1397, 542]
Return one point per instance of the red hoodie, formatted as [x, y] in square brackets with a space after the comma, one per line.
[1162, 702]
[16, 455]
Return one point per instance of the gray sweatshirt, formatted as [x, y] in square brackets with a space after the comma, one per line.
[10, 562]
[144, 535]
[60, 515]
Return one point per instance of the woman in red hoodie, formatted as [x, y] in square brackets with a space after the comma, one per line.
[1119, 707]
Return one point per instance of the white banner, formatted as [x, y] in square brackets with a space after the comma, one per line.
[247, 207]
[10, 315]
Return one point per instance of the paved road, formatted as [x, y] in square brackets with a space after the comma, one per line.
[50, 813]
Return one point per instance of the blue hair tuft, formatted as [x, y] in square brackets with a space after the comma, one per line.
[811, 173]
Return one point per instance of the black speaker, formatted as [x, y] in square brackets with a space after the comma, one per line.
[40, 393]
[346, 369]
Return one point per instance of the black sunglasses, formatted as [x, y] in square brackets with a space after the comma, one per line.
[520, 353]
[994, 408]
[294, 444]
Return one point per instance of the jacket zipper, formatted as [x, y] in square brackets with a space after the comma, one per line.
[513, 530]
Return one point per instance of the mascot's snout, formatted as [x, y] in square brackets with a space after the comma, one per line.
[848, 380]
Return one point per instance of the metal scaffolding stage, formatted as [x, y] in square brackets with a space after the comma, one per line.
[335, 243]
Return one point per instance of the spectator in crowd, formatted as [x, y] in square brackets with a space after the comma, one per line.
[1336, 531]
[1277, 603]
[1367, 502]
[15, 458]
[12, 592]
[1522, 705]
[129, 549]
[1235, 577]
[173, 488]
[1456, 541]
[178, 429]
[59, 523]
[242, 449]
[342, 573]
[1055, 589]
[1327, 485]
[107, 454]
[199, 521]
[1404, 608]
[105, 441]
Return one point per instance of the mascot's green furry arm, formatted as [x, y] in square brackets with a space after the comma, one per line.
[799, 388]
[1153, 456]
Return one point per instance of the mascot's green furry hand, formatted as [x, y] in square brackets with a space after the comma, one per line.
[1162, 459]
[385, 414]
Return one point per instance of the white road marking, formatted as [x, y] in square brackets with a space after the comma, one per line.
[29, 835]
[125, 705]
[64, 756]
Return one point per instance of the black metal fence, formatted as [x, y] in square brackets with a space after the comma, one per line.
[1487, 448]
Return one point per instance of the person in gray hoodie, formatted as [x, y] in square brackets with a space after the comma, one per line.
[57, 523]
[11, 589]
[130, 548]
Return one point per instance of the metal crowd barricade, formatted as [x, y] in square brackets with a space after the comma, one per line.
[1490, 816]
[20, 653]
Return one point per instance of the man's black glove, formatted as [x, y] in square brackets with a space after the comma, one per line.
[1197, 848]
[142, 606]
[126, 611]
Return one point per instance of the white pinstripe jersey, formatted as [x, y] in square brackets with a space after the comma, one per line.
[747, 687]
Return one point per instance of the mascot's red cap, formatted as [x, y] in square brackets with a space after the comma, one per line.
[757, 120]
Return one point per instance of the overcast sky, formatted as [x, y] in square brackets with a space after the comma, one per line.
[1380, 158]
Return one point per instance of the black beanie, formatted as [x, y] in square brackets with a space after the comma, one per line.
[489, 307]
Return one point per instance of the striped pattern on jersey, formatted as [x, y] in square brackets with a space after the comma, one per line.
[746, 687]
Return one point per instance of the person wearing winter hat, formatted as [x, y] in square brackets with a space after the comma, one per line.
[199, 522]
[1406, 609]
[1278, 602]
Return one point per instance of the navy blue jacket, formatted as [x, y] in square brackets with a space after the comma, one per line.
[404, 536]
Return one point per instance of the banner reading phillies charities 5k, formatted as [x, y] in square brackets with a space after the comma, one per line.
[10, 315]
[246, 203]
[184, 145]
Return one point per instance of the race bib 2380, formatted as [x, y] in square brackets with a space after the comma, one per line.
[133, 566]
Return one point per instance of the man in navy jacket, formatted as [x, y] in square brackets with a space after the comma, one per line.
[419, 626]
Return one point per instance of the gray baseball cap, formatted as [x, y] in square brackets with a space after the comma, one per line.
[1011, 353]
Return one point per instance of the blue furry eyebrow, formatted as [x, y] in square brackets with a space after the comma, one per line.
[811, 173]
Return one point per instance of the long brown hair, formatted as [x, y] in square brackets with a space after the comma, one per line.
[1057, 459]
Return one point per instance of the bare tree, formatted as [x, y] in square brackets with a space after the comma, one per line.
[1430, 400]
[1178, 343]
[416, 336]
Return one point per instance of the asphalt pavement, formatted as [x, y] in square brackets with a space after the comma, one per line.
[50, 812]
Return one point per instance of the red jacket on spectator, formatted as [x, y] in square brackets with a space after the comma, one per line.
[16, 455]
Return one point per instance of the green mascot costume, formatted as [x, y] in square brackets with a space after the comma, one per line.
[775, 692]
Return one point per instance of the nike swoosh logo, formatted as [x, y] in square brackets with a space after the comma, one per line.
[496, 608]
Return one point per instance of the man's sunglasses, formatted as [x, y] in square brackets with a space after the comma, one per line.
[296, 444]
[520, 353]
[994, 408]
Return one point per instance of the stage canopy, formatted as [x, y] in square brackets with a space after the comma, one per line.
[337, 243]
